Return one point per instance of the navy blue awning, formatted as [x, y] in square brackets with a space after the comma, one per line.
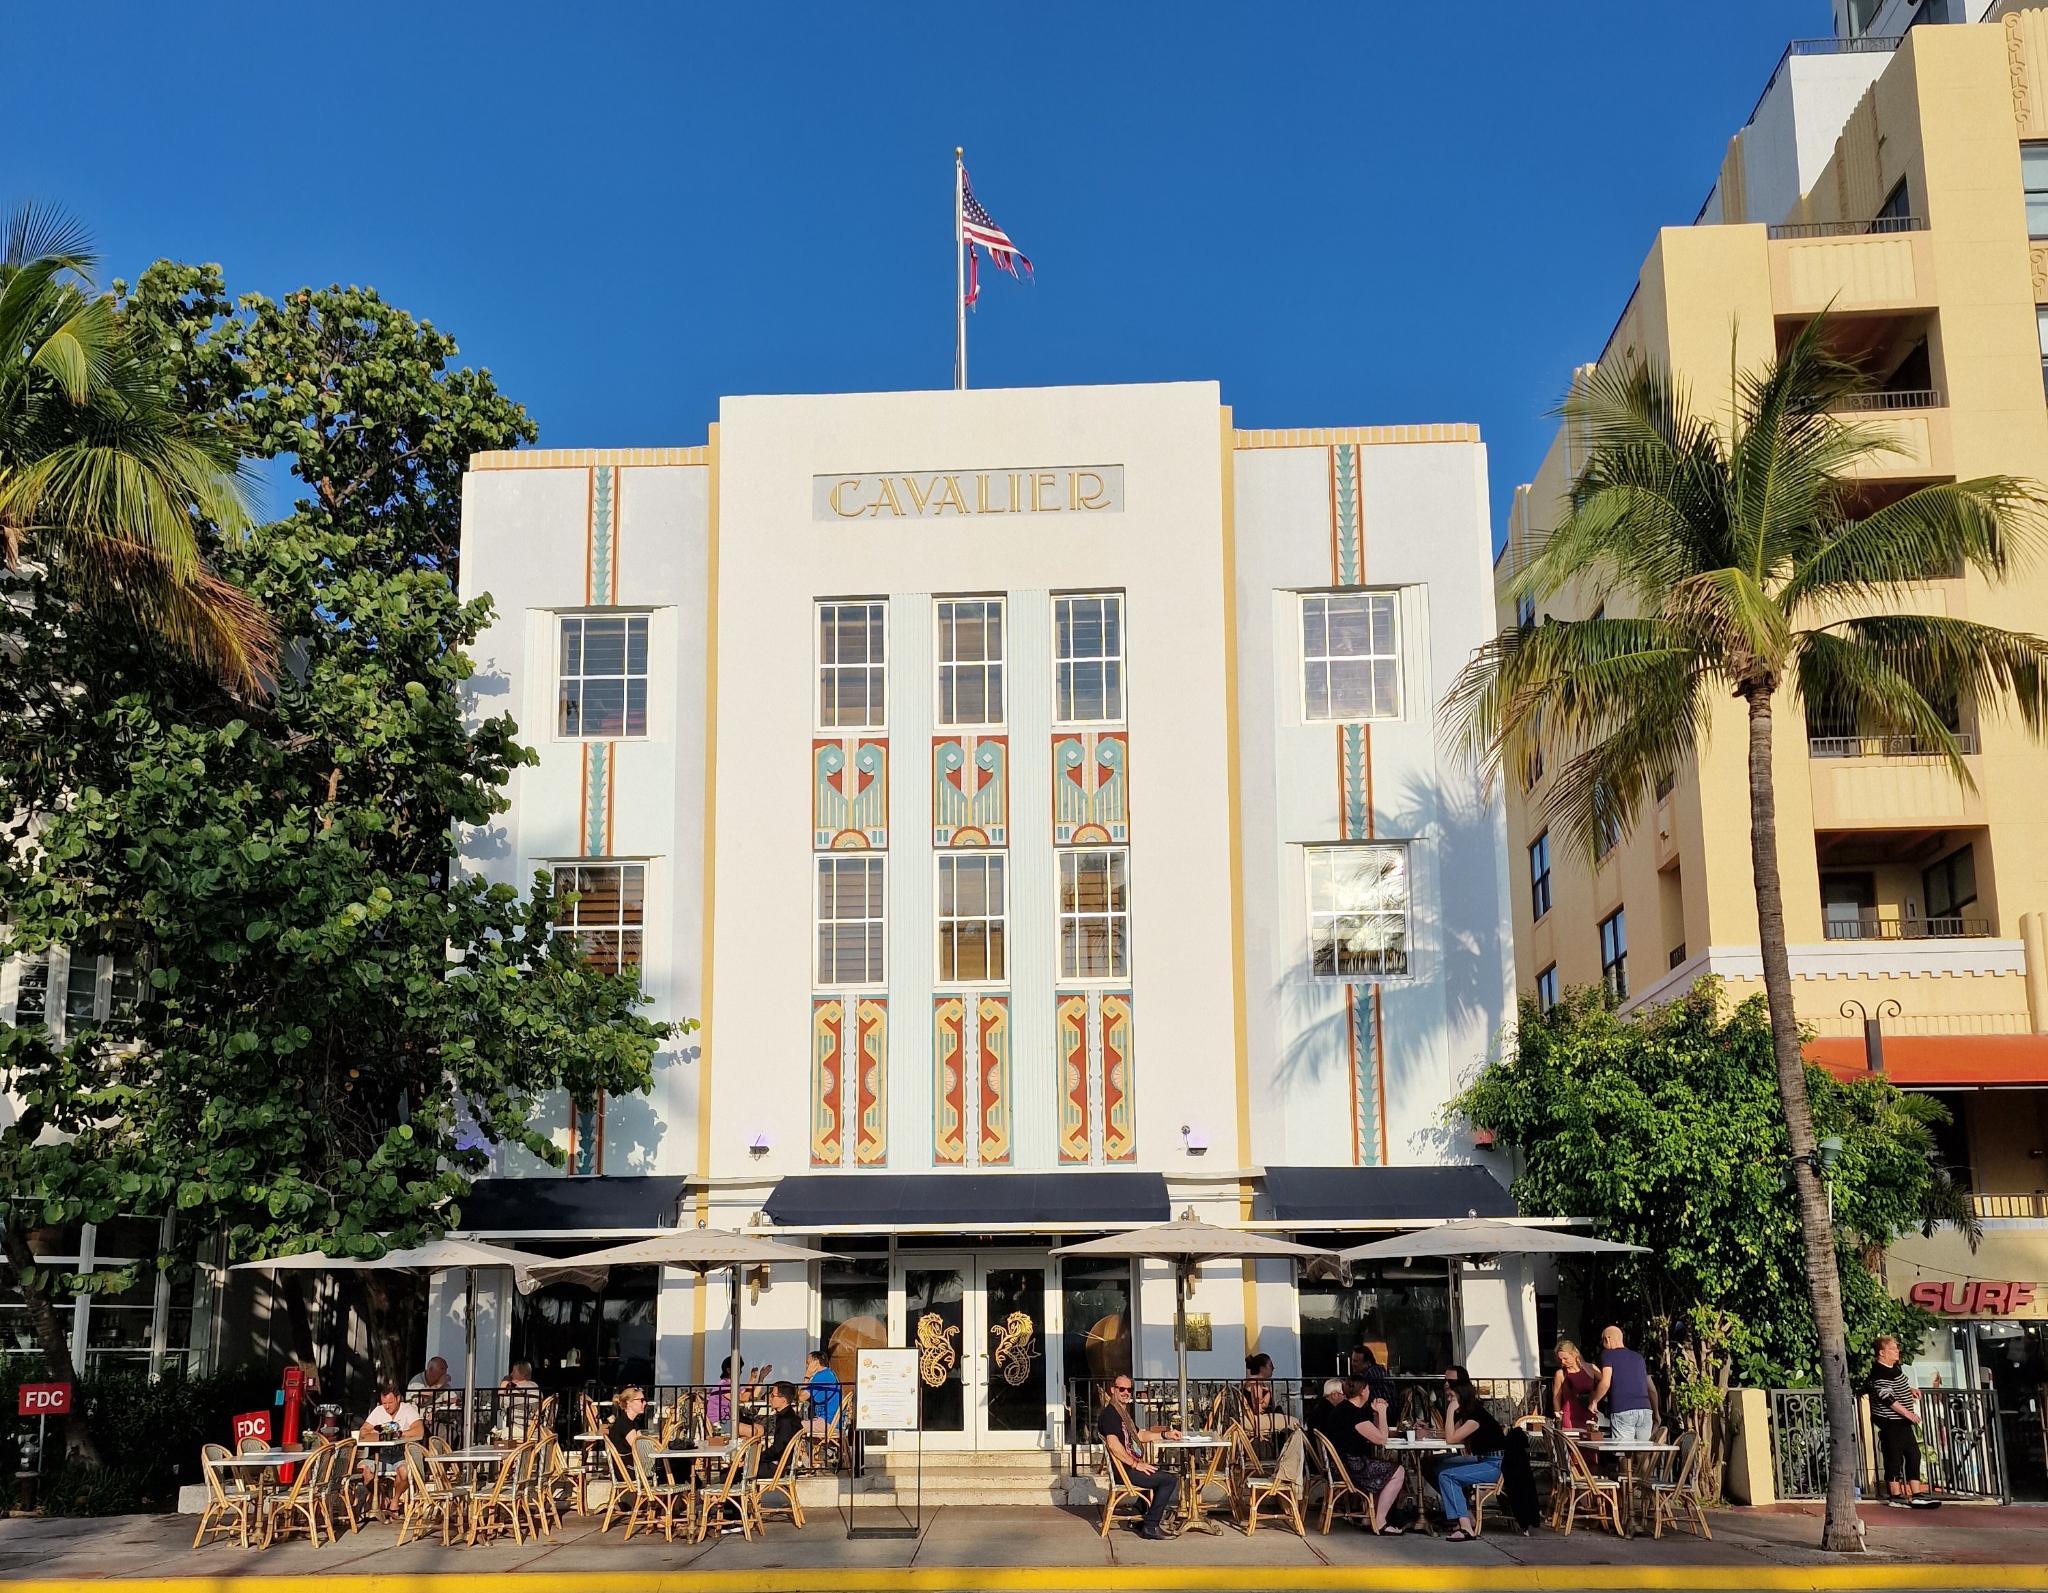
[968, 1202]
[557, 1204]
[1313, 1196]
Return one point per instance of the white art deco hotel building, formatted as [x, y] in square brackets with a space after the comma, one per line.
[1037, 795]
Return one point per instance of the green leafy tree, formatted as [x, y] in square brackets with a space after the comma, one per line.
[339, 1023]
[1738, 562]
[102, 470]
[1664, 1128]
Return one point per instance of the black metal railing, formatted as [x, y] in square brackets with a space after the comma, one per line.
[1799, 1443]
[1888, 401]
[1870, 44]
[1886, 746]
[1873, 226]
[1889, 926]
[1962, 1454]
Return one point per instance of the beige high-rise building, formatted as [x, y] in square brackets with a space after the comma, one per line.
[1901, 182]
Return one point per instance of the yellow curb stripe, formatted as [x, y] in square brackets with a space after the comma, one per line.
[1847, 1576]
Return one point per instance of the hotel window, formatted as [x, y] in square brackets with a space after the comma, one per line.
[1349, 664]
[1614, 954]
[852, 656]
[1358, 911]
[32, 989]
[1525, 612]
[973, 918]
[1095, 913]
[1896, 209]
[970, 654]
[2034, 179]
[1546, 988]
[1539, 876]
[852, 924]
[609, 913]
[603, 683]
[1606, 826]
[1951, 884]
[98, 991]
[1088, 659]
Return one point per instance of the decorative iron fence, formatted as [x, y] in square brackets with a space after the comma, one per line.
[1888, 399]
[1962, 1454]
[1848, 229]
[1885, 926]
[1886, 746]
[1799, 1443]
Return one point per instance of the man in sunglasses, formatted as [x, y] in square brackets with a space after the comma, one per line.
[1121, 1437]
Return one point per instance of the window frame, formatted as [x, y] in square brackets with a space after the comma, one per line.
[564, 618]
[1391, 596]
[879, 863]
[1539, 881]
[1546, 987]
[1110, 917]
[1614, 969]
[997, 667]
[1311, 855]
[875, 669]
[994, 862]
[1525, 612]
[2030, 196]
[1119, 660]
[621, 926]
[1945, 869]
[60, 965]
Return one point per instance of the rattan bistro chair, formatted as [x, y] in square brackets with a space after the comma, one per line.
[731, 1492]
[1264, 1489]
[299, 1505]
[780, 1481]
[1122, 1493]
[657, 1500]
[1579, 1487]
[1682, 1501]
[230, 1503]
[625, 1490]
[1342, 1497]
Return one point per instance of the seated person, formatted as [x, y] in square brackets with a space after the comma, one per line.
[1324, 1413]
[1121, 1438]
[718, 1403]
[629, 1416]
[783, 1424]
[1469, 1423]
[393, 1416]
[822, 1384]
[518, 1400]
[1381, 1478]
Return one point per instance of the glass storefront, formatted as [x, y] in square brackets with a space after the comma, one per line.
[1096, 1299]
[577, 1337]
[1404, 1315]
[159, 1320]
[853, 1308]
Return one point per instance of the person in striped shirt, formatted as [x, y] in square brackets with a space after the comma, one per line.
[1895, 1413]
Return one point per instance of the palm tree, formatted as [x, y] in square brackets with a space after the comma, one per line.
[1743, 563]
[103, 477]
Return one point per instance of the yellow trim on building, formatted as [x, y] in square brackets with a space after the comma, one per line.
[583, 458]
[1449, 431]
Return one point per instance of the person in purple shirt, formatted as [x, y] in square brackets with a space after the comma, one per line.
[1625, 1390]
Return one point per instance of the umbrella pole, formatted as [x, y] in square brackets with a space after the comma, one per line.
[732, 1386]
[469, 1360]
[1457, 1313]
[1180, 1337]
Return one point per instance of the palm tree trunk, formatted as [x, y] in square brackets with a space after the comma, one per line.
[1843, 1531]
[53, 1338]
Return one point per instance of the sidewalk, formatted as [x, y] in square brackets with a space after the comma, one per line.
[1043, 1549]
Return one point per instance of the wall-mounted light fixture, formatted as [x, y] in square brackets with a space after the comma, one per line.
[1193, 1140]
[758, 1147]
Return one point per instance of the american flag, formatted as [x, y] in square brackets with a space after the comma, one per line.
[977, 226]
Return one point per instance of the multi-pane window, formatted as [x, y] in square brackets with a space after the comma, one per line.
[1095, 913]
[1606, 825]
[602, 688]
[1350, 663]
[1951, 884]
[1539, 875]
[2034, 179]
[1546, 988]
[98, 991]
[154, 1322]
[1525, 611]
[1614, 954]
[852, 924]
[32, 990]
[1088, 659]
[973, 917]
[1358, 911]
[970, 654]
[1896, 210]
[609, 913]
[852, 657]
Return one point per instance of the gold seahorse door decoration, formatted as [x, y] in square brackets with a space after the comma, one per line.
[936, 1356]
[1013, 1349]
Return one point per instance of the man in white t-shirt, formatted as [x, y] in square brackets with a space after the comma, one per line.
[393, 1416]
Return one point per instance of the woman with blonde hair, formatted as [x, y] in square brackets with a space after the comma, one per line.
[1571, 1390]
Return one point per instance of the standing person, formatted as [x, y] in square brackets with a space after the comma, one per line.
[1381, 1478]
[1625, 1389]
[1121, 1438]
[1469, 1423]
[1572, 1389]
[1895, 1413]
[822, 1384]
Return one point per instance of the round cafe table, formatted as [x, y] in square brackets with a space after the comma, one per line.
[1630, 1452]
[1186, 1449]
[1410, 1453]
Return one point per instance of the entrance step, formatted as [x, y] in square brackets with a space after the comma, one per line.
[998, 1477]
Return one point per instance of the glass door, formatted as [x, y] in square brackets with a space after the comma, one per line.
[936, 1291]
[981, 1326]
[1015, 1371]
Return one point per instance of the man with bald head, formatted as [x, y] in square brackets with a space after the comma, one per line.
[1625, 1389]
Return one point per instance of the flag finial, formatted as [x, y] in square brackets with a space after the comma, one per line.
[959, 150]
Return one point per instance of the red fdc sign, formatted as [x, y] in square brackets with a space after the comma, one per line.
[44, 1399]
[253, 1424]
[1973, 1297]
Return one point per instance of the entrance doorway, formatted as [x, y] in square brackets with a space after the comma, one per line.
[980, 1323]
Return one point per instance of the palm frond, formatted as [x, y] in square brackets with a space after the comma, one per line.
[1978, 665]
[1835, 673]
[1994, 525]
[1740, 617]
[1606, 787]
[46, 232]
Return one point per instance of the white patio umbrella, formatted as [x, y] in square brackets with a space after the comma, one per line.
[1480, 1239]
[1187, 1243]
[438, 1255]
[702, 1251]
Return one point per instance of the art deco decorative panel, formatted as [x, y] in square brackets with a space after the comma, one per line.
[1090, 788]
[949, 1080]
[1119, 1108]
[871, 1083]
[1093, 1041]
[1070, 1039]
[970, 790]
[828, 1097]
[850, 793]
[993, 1070]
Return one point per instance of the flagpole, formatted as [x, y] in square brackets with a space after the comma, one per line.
[959, 271]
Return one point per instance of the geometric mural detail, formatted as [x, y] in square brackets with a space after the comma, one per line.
[1119, 1109]
[586, 1139]
[993, 1069]
[1354, 782]
[597, 799]
[1367, 1062]
[949, 1080]
[1071, 1048]
[971, 1080]
[600, 548]
[828, 1091]
[871, 1082]
[850, 793]
[1090, 787]
[970, 790]
[1347, 529]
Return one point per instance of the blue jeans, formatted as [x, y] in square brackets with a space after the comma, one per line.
[1459, 1475]
[1631, 1426]
[1164, 1487]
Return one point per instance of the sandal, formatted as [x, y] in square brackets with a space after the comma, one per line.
[1460, 1535]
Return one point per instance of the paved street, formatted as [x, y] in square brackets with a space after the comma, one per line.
[1049, 1548]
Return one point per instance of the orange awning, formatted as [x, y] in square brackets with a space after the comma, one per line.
[1960, 1061]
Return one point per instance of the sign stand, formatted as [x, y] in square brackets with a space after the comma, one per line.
[886, 1399]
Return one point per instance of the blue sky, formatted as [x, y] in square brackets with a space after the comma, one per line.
[1356, 213]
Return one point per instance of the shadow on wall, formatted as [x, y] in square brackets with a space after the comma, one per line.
[1451, 830]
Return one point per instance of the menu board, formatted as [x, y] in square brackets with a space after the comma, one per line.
[885, 1390]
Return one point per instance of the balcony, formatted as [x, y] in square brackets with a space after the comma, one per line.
[1875, 226]
[1891, 782]
[1885, 746]
[1837, 925]
[1846, 267]
[1885, 402]
[2011, 1208]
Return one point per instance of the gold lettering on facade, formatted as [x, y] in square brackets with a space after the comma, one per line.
[1097, 496]
[1017, 480]
[981, 493]
[919, 499]
[886, 496]
[1045, 485]
[952, 496]
[839, 508]
[932, 494]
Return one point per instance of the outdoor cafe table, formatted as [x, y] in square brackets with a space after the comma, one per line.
[1188, 1447]
[1410, 1453]
[1629, 1450]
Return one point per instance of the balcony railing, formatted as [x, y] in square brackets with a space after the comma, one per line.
[1889, 926]
[1846, 229]
[2008, 1207]
[1893, 399]
[1886, 746]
